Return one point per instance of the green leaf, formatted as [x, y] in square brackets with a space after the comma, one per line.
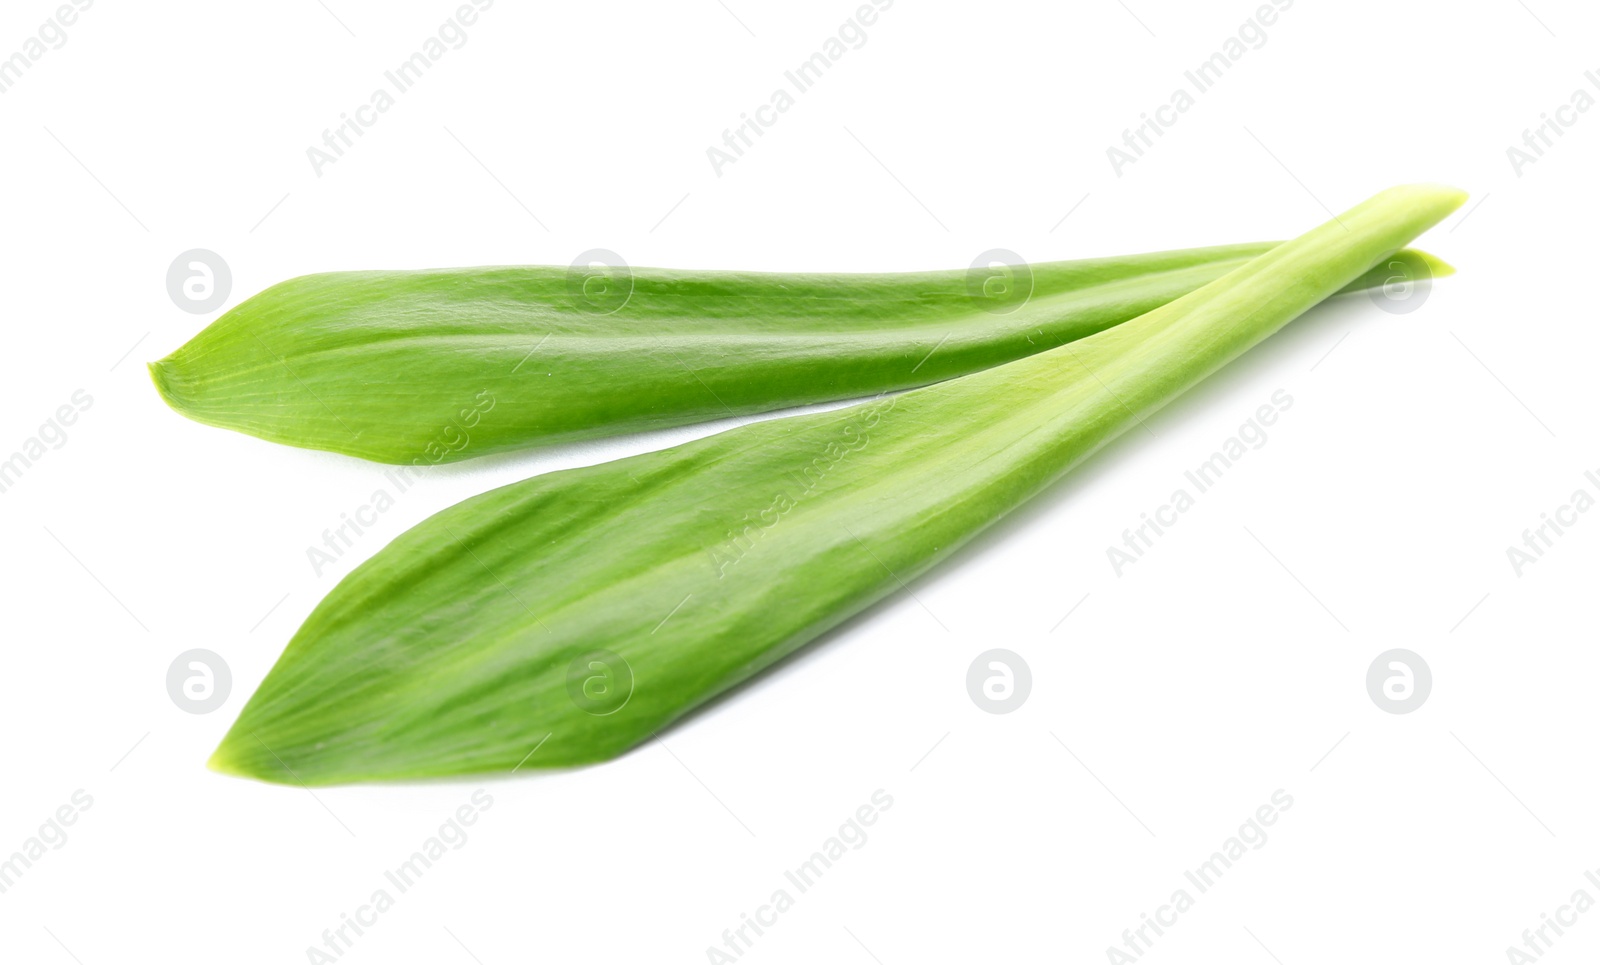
[424, 367]
[563, 619]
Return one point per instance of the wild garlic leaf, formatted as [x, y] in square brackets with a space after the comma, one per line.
[566, 618]
[425, 367]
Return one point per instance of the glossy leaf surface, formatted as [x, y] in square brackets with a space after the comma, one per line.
[426, 367]
[566, 618]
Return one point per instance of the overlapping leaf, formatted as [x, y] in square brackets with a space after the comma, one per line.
[581, 611]
[424, 367]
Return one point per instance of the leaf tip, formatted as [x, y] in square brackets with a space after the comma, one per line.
[233, 761]
[223, 762]
[1444, 194]
[1437, 267]
[165, 376]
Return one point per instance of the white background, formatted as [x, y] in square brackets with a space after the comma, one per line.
[1228, 663]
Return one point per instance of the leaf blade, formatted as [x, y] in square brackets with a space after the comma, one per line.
[428, 367]
[451, 651]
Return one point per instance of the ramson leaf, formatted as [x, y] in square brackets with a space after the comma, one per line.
[581, 611]
[424, 367]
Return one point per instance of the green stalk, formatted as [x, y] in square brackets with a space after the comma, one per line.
[581, 611]
[424, 367]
